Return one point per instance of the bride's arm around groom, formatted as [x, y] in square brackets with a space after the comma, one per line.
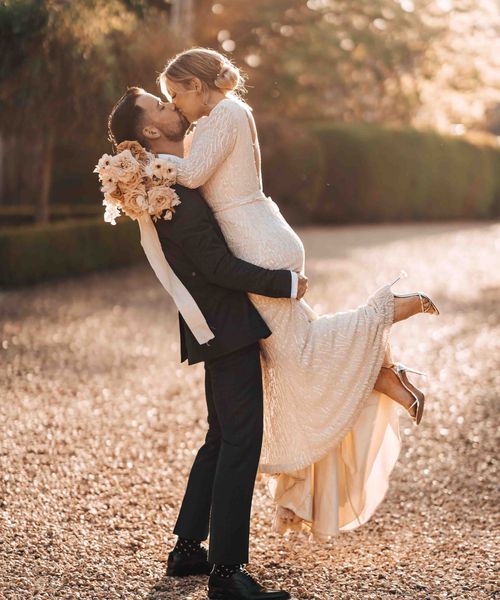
[195, 233]
[195, 248]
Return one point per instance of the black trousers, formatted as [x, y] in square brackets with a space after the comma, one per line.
[219, 491]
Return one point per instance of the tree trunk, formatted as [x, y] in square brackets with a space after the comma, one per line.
[182, 18]
[2, 168]
[47, 158]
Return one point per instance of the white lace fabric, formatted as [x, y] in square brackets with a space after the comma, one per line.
[330, 441]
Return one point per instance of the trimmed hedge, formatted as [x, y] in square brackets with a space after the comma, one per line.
[379, 174]
[338, 173]
[292, 167]
[318, 172]
[36, 253]
[23, 215]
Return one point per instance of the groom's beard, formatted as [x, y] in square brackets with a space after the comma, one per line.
[176, 133]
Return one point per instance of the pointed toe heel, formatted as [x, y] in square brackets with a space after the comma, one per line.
[416, 409]
[430, 309]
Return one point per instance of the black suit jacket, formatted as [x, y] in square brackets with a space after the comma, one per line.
[196, 250]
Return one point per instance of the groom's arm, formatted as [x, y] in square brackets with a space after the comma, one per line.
[194, 231]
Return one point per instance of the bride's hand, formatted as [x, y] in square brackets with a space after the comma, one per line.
[302, 286]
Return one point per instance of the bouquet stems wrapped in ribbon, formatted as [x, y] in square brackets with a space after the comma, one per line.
[139, 185]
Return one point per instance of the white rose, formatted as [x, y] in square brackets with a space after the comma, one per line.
[103, 164]
[163, 169]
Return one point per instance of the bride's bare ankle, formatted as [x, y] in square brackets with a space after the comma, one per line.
[388, 383]
[404, 308]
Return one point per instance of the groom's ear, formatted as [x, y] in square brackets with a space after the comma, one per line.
[150, 132]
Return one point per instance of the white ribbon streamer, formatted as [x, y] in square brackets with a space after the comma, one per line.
[183, 300]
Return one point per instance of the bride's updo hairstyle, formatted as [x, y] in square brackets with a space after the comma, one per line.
[213, 69]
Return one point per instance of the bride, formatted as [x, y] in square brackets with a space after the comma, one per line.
[331, 430]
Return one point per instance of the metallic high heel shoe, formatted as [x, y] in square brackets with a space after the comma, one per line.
[432, 309]
[400, 370]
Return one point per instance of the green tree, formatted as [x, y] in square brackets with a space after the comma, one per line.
[346, 59]
[62, 66]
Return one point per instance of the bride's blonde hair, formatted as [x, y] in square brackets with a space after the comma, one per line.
[213, 69]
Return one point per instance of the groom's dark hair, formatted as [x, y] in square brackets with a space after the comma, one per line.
[125, 120]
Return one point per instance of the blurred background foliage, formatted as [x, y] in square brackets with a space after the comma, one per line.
[349, 60]
[359, 103]
[62, 66]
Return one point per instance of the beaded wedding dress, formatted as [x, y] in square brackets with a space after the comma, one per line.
[330, 441]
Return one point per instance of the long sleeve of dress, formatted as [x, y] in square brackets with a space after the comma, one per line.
[213, 140]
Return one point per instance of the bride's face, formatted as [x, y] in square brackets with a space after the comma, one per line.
[188, 99]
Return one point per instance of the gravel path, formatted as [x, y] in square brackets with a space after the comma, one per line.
[100, 425]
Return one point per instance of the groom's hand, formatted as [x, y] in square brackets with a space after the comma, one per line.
[302, 286]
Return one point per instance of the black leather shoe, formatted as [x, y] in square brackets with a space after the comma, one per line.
[179, 565]
[241, 586]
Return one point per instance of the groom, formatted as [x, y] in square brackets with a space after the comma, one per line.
[219, 492]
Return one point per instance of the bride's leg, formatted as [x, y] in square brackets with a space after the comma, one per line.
[388, 383]
[407, 307]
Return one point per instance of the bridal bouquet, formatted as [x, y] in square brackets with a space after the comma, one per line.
[134, 182]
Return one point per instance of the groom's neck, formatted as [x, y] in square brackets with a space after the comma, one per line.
[168, 147]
